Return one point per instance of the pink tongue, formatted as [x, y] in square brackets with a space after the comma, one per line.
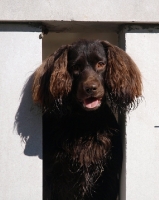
[90, 103]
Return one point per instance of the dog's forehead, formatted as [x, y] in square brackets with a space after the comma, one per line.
[87, 48]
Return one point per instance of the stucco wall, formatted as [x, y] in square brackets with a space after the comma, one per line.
[140, 178]
[81, 10]
[20, 120]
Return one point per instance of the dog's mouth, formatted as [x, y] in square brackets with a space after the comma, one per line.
[91, 103]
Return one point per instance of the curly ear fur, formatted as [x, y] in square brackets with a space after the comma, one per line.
[52, 80]
[122, 77]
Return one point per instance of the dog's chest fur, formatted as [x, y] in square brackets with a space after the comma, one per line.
[80, 152]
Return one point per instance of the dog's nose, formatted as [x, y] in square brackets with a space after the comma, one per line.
[90, 89]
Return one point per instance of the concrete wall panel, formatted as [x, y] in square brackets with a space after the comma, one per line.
[20, 120]
[140, 173]
[90, 10]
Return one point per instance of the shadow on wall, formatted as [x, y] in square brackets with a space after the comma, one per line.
[28, 122]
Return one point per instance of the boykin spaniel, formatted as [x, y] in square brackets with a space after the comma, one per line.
[79, 87]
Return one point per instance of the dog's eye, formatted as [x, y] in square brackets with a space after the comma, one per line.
[76, 70]
[100, 66]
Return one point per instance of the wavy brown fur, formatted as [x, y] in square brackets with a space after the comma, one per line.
[82, 140]
[123, 78]
[51, 79]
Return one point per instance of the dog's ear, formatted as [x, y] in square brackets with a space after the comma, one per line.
[52, 80]
[122, 77]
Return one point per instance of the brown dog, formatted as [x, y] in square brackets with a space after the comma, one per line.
[82, 142]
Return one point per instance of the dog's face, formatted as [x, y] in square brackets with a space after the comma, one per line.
[87, 65]
[88, 70]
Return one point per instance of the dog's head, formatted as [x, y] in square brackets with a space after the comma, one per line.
[89, 71]
[86, 66]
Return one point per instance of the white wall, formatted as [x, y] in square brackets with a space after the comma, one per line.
[20, 163]
[81, 10]
[140, 177]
